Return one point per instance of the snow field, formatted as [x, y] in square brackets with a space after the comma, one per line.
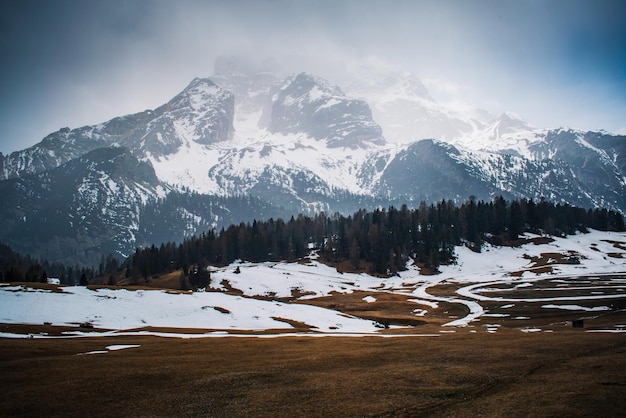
[123, 309]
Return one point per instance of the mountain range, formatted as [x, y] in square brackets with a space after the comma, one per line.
[248, 143]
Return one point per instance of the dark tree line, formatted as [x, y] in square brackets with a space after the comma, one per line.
[15, 267]
[384, 239]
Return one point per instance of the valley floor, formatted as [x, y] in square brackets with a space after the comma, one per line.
[513, 374]
[533, 330]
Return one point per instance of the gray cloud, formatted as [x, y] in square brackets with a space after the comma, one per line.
[70, 63]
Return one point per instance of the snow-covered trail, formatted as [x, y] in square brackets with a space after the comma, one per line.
[475, 309]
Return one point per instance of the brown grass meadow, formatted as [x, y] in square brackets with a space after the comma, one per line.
[508, 374]
[558, 371]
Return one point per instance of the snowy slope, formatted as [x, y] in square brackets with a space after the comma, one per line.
[600, 254]
[83, 209]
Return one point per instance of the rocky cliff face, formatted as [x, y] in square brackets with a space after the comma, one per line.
[311, 105]
[202, 112]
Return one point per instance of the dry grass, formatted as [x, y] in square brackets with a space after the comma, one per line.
[570, 373]
[465, 373]
[36, 285]
[169, 280]
[388, 309]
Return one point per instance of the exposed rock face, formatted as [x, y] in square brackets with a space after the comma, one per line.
[311, 105]
[203, 113]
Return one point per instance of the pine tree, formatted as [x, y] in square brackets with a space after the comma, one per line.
[355, 254]
[516, 221]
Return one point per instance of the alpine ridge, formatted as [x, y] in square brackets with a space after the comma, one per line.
[249, 143]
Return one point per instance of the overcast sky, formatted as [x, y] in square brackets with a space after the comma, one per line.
[79, 62]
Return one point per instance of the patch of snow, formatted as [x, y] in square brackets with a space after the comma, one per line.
[577, 308]
[115, 347]
[121, 346]
[615, 331]
[430, 303]
[531, 330]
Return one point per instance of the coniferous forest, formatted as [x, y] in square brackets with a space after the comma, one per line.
[383, 240]
[380, 241]
[15, 267]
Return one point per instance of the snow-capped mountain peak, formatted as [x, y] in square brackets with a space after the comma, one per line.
[407, 84]
[510, 122]
[293, 126]
[306, 86]
[200, 94]
[202, 112]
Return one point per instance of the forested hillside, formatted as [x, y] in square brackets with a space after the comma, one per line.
[378, 242]
[15, 267]
[383, 240]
